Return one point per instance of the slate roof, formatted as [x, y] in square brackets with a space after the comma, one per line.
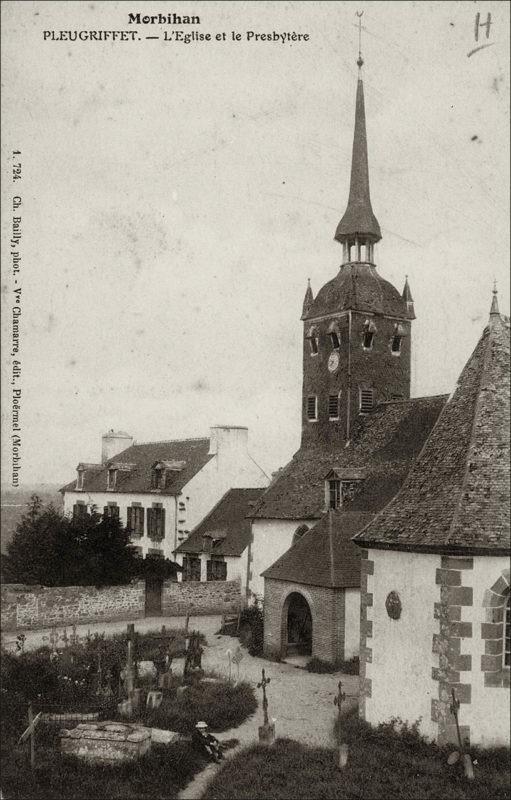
[325, 555]
[193, 452]
[456, 496]
[359, 287]
[227, 521]
[359, 219]
[382, 448]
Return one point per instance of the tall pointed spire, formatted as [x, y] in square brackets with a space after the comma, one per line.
[495, 303]
[307, 300]
[359, 222]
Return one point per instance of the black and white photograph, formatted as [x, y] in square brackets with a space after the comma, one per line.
[255, 488]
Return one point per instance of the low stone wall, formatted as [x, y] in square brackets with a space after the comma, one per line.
[201, 597]
[25, 607]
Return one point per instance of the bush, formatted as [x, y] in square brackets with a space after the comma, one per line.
[252, 629]
[221, 705]
[320, 666]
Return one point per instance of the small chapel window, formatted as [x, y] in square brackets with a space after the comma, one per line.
[507, 633]
[396, 344]
[312, 407]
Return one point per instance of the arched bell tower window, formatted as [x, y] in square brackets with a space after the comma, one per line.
[313, 339]
[368, 334]
[397, 339]
[335, 336]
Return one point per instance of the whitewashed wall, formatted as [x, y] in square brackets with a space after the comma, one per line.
[352, 623]
[270, 539]
[402, 658]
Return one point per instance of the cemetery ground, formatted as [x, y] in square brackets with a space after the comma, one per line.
[302, 762]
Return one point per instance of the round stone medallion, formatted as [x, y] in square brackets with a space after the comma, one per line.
[393, 605]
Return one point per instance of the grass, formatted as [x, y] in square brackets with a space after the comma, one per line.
[162, 773]
[383, 763]
[349, 667]
[222, 705]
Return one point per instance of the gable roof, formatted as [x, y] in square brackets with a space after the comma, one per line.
[227, 522]
[325, 555]
[193, 452]
[383, 445]
[456, 496]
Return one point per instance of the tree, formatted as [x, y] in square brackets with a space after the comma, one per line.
[52, 549]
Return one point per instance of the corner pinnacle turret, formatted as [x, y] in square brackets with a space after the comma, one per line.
[359, 223]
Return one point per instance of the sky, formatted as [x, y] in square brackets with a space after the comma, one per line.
[176, 197]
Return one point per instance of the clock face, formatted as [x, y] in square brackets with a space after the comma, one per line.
[333, 362]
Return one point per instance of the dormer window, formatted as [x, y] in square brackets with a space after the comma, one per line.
[368, 334]
[366, 401]
[299, 532]
[313, 338]
[334, 493]
[111, 479]
[397, 338]
[157, 478]
[80, 474]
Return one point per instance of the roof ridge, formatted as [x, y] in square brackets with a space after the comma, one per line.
[470, 447]
[173, 441]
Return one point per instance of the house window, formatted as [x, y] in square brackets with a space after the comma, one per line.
[111, 511]
[333, 406]
[334, 493]
[216, 570]
[79, 510]
[335, 339]
[366, 401]
[312, 407]
[156, 523]
[191, 568]
[395, 344]
[79, 479]
[111, 479]
[135, 522]
[507, 633]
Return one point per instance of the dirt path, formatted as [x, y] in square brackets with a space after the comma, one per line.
[301, 703]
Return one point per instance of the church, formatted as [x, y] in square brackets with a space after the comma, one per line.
[361, 432]
[387, 534]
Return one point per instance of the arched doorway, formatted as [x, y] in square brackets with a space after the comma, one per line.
[296, 626]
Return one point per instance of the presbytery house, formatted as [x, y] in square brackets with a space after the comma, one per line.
[162, 490]
[361, 432]
[436, 606]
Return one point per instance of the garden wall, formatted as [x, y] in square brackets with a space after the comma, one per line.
[25, 607]
[201, 597]
[29, 607]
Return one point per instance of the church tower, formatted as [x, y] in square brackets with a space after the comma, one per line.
[357, 330]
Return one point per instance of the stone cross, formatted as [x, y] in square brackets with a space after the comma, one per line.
[263, 684]
[343, 748]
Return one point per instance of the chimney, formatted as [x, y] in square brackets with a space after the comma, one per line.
[113, 443]
[228, 440]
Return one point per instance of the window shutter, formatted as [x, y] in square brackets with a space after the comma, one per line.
[140, 525]
[209, 570]
[149, 521]
[162, 523]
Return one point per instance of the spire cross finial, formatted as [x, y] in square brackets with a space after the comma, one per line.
[495, 303]
[360, 60]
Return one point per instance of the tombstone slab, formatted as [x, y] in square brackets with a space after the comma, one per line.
[106, 742]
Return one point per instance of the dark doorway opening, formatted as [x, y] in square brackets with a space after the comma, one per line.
[298, 626]
[153, 596]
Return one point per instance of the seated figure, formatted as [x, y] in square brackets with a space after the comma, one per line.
[206, 741]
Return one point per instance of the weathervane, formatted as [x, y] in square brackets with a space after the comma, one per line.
[360, 60]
